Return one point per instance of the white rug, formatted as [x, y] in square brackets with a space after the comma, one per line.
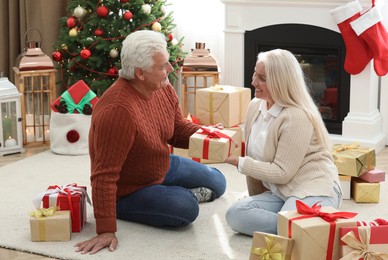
[208, 237]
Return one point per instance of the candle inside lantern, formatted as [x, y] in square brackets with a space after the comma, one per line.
[10, 142]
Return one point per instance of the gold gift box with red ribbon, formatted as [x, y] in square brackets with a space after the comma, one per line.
[364, 242]
[315, 230]
[222, 104]
[353, 160]
[50, 225]
[211, 143]
[269, 246]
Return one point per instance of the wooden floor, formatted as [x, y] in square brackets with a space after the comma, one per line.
[31, 149]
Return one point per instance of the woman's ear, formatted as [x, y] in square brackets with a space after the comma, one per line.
[139, 73]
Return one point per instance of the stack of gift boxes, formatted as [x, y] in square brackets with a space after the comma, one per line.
[59, 211]
[360, 180]
[217, 104]
[320, 233]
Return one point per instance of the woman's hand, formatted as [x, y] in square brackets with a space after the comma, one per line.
[97, 243]
[232, 159]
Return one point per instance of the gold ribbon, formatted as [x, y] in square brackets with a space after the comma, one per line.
[343, 147]
[361, 247]
[43, 212]
[273, 251]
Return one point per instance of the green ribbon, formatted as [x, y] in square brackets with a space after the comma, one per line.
[71, 105]
[273, 251]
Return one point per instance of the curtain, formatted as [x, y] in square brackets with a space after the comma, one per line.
[16, 17]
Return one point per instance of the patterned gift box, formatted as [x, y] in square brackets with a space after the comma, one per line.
[77, 99]
[345, 182]
[212, 144]
[315, 230]
[364, 242]
[222, 104]
[269, 246]
[375, 175]
[50, 225]
[363, 191]
[353, 160]
[66, 197]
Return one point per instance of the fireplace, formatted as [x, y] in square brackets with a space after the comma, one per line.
[321, 54]
[358, 106]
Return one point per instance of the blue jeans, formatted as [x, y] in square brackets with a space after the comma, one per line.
[259, 212]
[171, 203]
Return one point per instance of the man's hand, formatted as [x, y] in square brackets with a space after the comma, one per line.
[97, 243]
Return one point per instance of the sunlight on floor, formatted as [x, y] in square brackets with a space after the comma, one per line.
[222, 238]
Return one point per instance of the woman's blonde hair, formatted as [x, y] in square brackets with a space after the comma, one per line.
[287, 87]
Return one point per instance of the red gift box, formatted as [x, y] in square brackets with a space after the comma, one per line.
[80, 94]
[68, 197]
[364, 241]
[372, 176]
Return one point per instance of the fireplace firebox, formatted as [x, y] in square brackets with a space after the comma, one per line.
[321, 54]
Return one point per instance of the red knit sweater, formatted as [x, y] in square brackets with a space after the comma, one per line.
[128, 144]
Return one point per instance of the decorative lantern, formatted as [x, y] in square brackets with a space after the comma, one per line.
[10, 118]
[35, 80]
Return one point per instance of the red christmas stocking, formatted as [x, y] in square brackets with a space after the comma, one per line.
[358, 55]
[372, 31]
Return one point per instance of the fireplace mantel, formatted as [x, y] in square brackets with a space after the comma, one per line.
[363, 123]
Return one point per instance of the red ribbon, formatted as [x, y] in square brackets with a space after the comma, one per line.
[315, 211]
[212, 133]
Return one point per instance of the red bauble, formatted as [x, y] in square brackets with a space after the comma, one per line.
[170, 37]
[57, 56]
[102, 11]
[127, 15]
[85, 54]
[71, 23]
[124, 1]
[112, 71]
[98, 32]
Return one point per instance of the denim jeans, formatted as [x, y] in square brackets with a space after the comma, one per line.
[171, 203]
[259, 212]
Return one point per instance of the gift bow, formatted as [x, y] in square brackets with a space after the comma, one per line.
[343, 147]
[315, 211]
[361, 247]
[273, 251]
[71, 105]
[210, 134]
[43, 212]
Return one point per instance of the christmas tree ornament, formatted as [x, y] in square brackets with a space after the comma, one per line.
[71, 23]
[73, 32]
[369, 28]
[57, 56]
[174, 41]
[64, 46]
[170, 37]
[79, 12]
[114, 53]
[85, 54]
[98, 32]
[127, 15]
[124, 1]
[157, 27]
[146, 8]
[112, 71]
[90, 39]
[358, 55]
[102, 11]
[163, 9]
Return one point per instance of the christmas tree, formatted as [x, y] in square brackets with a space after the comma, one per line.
[90, 39]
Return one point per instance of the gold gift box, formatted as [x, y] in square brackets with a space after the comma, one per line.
[268, 245]
[219, 148]
[352, 160]
[363, 191]
[311, 234]
[51, 228]
[222, 104]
